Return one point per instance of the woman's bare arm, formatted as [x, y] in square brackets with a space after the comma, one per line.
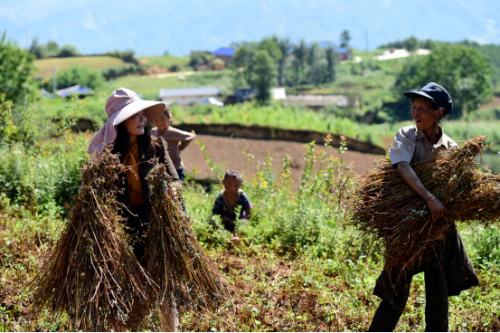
[435, 206]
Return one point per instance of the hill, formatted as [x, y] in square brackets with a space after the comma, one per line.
[44, 66]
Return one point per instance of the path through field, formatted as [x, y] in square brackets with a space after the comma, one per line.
[228, 153]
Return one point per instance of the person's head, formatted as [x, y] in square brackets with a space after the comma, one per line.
[232, 181]
[164, 120]
[429, 105]
[128, 116]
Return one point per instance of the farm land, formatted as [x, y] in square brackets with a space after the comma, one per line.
[299, 267]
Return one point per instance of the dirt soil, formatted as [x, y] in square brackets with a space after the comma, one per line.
[228, 153]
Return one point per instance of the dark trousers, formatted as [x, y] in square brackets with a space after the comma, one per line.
[394, 292]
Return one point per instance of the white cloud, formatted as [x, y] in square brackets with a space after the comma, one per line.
[88, 21]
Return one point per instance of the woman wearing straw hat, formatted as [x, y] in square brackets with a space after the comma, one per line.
[126, 130]
[449, 271]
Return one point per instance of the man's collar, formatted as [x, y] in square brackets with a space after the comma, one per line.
[444, 140]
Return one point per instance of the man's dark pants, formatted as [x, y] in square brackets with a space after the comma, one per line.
[395, 292]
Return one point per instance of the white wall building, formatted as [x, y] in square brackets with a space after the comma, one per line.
[189, 96]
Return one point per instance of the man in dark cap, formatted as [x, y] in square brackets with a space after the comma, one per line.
[449, 271]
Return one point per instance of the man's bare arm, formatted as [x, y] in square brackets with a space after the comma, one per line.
[435, 206]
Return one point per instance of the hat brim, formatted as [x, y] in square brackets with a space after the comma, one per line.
[151, 108]
[416, 93]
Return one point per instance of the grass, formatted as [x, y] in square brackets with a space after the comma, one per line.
[44, 66]
[165, 61]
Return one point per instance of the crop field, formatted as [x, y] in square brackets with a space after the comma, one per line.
[44, 66]
[299, 267]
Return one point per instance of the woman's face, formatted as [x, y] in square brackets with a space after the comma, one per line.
[135, 125]
[423, 114]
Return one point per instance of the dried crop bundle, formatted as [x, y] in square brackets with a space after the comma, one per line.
[173, 255]
[92, 273]
[392, 213]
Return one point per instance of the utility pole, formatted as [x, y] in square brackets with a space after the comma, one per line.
[54, 68]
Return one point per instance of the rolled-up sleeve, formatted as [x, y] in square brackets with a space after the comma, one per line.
[404, 147]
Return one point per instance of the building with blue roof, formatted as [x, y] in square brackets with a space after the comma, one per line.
[225, 54]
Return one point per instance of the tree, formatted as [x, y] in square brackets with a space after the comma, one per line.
[284, 46]
[16, 67]
[264, 73]
[199, 58]
[52, 49]
[68, 51]
[345, 37]
[300, 54]
[244, 57]
[411, 44]
[82, 75]
[461, 70]
[332, 59]
[37, 50]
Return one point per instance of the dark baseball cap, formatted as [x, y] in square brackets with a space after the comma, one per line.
[435, 93]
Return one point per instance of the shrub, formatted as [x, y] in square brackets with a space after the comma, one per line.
[16, 67]
[68, 51]
[82, 75]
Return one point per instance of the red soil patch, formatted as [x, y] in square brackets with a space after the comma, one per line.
[228, 153]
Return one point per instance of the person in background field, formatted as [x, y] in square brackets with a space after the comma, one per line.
[230, 198]
[177, 140]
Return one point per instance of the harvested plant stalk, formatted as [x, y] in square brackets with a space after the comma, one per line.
[392, 213]
[173, 256]
[92, 272]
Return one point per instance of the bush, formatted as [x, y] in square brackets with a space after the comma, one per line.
[82, 75]
[114, 72]
[127, 56]
[68, 51]
[16, 68]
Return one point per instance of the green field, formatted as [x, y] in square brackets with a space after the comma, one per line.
[299, 268]
[44, 66]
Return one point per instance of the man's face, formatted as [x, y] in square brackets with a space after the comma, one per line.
[423, 114]
[232, 185]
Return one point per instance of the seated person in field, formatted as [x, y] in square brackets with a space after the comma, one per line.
[228, 200]
[177, 140]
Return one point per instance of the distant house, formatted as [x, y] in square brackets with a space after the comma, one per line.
[77, 90]
[278, 93]
[319, 101]
[225, 54]
[344, 53]
[189, 96]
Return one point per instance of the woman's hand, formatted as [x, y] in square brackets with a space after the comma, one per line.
[436, 208]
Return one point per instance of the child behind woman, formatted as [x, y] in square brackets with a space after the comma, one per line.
[177, 140]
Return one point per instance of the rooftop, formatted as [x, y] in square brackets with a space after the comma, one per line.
[198, 91]
[224, 51]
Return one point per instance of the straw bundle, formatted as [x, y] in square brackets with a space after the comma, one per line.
[92, 273]
[173, 256]
[390, 212]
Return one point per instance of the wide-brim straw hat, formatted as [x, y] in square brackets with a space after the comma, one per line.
[122, 104]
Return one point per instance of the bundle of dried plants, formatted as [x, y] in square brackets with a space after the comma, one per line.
[390, 212]
[92, 273]
[173, 256]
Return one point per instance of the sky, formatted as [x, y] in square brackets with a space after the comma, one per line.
[151, 27]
